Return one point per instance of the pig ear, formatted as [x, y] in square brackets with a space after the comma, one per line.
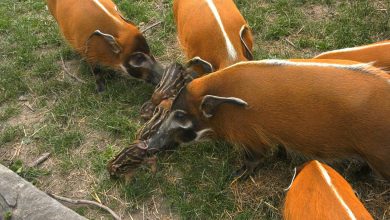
[141, 60]
[123, 17]
[109, 39]
[199, 67]
[153, 70]
[246, 40]
[210, 104]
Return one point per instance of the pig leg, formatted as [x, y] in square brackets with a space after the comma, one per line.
[252, 160]
[98, 77]
[380, 164]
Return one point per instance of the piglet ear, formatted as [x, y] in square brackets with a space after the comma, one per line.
[210, 104]
[109, 39]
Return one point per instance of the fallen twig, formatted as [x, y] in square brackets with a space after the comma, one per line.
[22, 98]
[383, 193]
[40, 160]
[85, 202]
[17, 151]
[237, 178]
[155, 207]
[300, 30]
[291, 43]
[271, 206]
[70, 74]
[150, 26]
[35, 132]
[29, 107]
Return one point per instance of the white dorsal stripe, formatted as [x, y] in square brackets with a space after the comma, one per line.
[358, 66]
[362, 67]
[355, 48]
[232, 53]
[328, 180]
[101, 6]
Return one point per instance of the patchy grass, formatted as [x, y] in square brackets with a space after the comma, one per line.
[43, 109]
[9, 134]
[29, 173]
[8, 112]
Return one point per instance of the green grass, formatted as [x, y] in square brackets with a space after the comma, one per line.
[9, 134]
[83, 130]
[8, 112]
[7, 215]
[59, 140]
[29, 173]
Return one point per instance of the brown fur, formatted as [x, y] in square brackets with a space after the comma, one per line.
[79, 19]
[379, 53]
[200, 35]
[311, 197]
[325, 112]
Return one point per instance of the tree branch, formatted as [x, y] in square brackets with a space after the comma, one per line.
[85, 202]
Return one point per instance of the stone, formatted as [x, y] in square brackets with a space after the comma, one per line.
[22, 200]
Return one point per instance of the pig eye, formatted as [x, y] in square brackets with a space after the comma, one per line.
[180, 115]
[182, 120]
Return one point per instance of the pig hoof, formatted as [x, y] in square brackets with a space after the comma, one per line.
[99, 89]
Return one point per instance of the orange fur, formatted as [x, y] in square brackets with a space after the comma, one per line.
[79, 19]
[312, 197]
[379, 53]
[200, 35]
[166, 103]
[319, 110]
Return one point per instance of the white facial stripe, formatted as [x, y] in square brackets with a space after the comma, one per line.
[328, 180]
[125, 73]
[101, 6]
[176, 124]
[201, 133]
[355, 48]
[187, 124]
[123, 68]
[229, 46]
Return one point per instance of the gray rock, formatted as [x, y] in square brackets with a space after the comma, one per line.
[25, 201]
